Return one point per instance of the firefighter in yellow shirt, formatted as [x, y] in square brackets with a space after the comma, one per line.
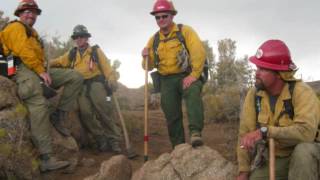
[179, 76]
[100, 81]
[21, 40]
[283, 108]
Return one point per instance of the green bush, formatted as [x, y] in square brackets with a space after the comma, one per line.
[223, 105]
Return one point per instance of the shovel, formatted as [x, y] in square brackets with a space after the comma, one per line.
[272, 160]
[130, 153]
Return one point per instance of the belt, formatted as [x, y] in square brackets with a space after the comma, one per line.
[183, 74]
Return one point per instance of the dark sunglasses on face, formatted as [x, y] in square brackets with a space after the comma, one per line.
[162, 17]
[79, 36]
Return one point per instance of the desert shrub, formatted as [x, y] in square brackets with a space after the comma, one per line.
[223, 105]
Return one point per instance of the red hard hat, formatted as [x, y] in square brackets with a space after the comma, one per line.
[163, 6]
[274, 55]
[25, 5]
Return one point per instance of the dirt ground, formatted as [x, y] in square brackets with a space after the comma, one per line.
[221, 137]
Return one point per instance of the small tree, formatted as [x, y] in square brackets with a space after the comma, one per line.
[3, 20]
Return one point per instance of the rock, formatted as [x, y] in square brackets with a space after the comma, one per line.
[8, 97]
[87, 162]
[187, 163]
[116, 168]
[17, 157]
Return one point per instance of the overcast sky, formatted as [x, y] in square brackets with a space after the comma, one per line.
[123, 27]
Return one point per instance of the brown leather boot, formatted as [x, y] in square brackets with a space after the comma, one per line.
[196, 140]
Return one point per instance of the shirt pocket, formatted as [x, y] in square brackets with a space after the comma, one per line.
[168, 52]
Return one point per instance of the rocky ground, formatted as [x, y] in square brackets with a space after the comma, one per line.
[221, 137]
[86, 161]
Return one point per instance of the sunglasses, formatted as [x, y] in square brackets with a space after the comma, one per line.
[79, 36]
[162, 17]
[29, 12]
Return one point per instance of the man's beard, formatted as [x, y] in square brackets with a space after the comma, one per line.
[259, 84]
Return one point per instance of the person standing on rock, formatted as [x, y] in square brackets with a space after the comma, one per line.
[100, 81]
[21, 40]
[285, 109]
[179, 56]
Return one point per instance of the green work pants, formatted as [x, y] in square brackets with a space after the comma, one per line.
[31, 94]
[172, 95]
[281, 170]
[96, 113]
[304, 163]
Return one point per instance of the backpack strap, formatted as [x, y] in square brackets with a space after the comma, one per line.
[72, 56]
[257, 103]
[156, 41]
[95, 57]
[288, 106]
[181, 37]
[155, 45]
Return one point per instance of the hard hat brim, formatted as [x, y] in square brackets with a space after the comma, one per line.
[74, 36]
[18, 11]
[265, 65]
[172, 12]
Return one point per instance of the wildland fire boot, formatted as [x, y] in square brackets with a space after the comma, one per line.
[102, 143]
[196, 140]
[115, 147]
[56, 119]
[48, 163]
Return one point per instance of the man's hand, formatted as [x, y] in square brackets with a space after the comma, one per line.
[46, 78]
[249, 140]
[243, 176]
[187, 81]
[145, 52]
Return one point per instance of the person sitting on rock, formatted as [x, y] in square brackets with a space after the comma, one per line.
[100, 81]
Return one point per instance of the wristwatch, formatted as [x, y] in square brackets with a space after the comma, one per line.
[264, 132]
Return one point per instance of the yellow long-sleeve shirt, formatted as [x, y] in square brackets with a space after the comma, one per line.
[289, 132]
[14, 40]
[82, 64]
[168, 51]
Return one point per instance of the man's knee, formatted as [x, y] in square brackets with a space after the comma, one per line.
[304, 162]
[76, 77]
[304, 150]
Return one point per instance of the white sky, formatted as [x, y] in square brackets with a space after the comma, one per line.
[123, 27]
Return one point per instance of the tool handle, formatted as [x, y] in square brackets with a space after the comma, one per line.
[272, 159]
[146, 137]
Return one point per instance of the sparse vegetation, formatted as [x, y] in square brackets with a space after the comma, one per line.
[228, 83]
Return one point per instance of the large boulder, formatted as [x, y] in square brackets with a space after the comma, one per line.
[187, 163]
[116, 168]
[17, 157]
